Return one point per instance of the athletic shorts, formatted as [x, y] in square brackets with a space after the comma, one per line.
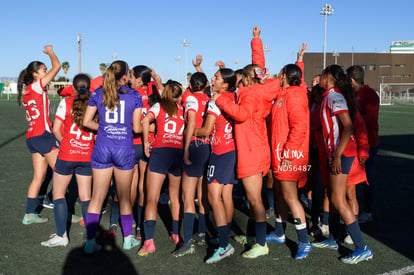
[43, 144]
[123, 158]
[346, 164]
[199, 155]
[166, 161]
[139, 153]
[64, 167]
[221, 168]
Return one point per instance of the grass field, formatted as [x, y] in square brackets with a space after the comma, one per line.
[390, 236]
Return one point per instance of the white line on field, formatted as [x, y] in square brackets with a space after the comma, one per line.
[405, 270]
[390, 153]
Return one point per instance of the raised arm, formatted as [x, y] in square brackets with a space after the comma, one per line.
[55, 66]
[300, 64]
[258, 57]
[197, 63]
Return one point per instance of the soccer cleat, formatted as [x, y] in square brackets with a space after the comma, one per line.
[75, 219]
[138, 234]
[328, 243]
[348, 240]
[303, 250]
[185, 249]
[55, 240]
[320, 230]
[147, 248]
[130, 242]
[272, 237]
[365, 217]
[82, 222]
[200, 238]
[256, 251]
[175, 238]
[47, 203]
[220, 254]
[358, 255]
[91, 247]
[33, 218]
[111, 232]
[244, 240]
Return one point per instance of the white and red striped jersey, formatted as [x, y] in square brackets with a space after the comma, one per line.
[36, 103]
[170, 130]
[77, 144]
[332, 104]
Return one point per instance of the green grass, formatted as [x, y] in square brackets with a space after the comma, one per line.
[390, 236]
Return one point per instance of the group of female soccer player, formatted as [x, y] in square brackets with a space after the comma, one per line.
[134, 133]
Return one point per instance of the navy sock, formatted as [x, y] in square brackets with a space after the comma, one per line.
[270, 197]
[201, 223]
[115, 213]
[175, 226]
[60, 210]
[325, 218]
[260, 233]
[356, 235]
[251, 229]
[149, 229]
[188, 226]
[302, 232]
[139, 215]
[280, 226]
[31, 205]
[84, 209]
[223, 236]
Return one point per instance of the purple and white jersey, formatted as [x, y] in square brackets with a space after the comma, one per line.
[115, 127]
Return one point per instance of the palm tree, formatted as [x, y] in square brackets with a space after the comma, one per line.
[102, 67]
[65, 67]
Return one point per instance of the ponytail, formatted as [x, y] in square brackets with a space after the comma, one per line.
[26, 78]
[113, 74]
[81, 84]
[169, 99]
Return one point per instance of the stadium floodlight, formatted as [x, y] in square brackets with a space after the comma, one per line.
[326, 11]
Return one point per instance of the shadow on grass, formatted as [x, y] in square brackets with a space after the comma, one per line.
[110, 260]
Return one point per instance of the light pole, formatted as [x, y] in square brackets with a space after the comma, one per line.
[335, 54]
[325, 11]
[79, 52]
[178, 59]
[186, 44]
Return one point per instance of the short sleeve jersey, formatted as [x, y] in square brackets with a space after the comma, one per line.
[115, 127]
[170, 130]
[36, 103]
[332, 104]
[197, 102]
[223, 139]
[77, 144]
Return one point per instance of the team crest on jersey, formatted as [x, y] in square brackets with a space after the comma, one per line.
[280, 103]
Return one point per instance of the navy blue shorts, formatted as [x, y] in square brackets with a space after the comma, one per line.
[42, 144]
[139, 153]
[346, 164]
[166, 161]
[123, 158]
[64, 167]
[199, 155]
[221, 168]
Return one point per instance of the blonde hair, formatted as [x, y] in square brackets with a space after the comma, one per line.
[250, 71]
[113, 74]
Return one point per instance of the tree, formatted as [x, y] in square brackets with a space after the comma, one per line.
[65, 67]
[102, 67]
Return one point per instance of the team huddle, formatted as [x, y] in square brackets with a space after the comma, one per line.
[129, 130]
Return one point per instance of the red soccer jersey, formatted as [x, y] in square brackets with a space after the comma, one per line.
[170, 130]
[334, 103]
[145, 107]
[36, 103]
[223, 139]
[368, 106]
[197, 102]
[77, 144]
